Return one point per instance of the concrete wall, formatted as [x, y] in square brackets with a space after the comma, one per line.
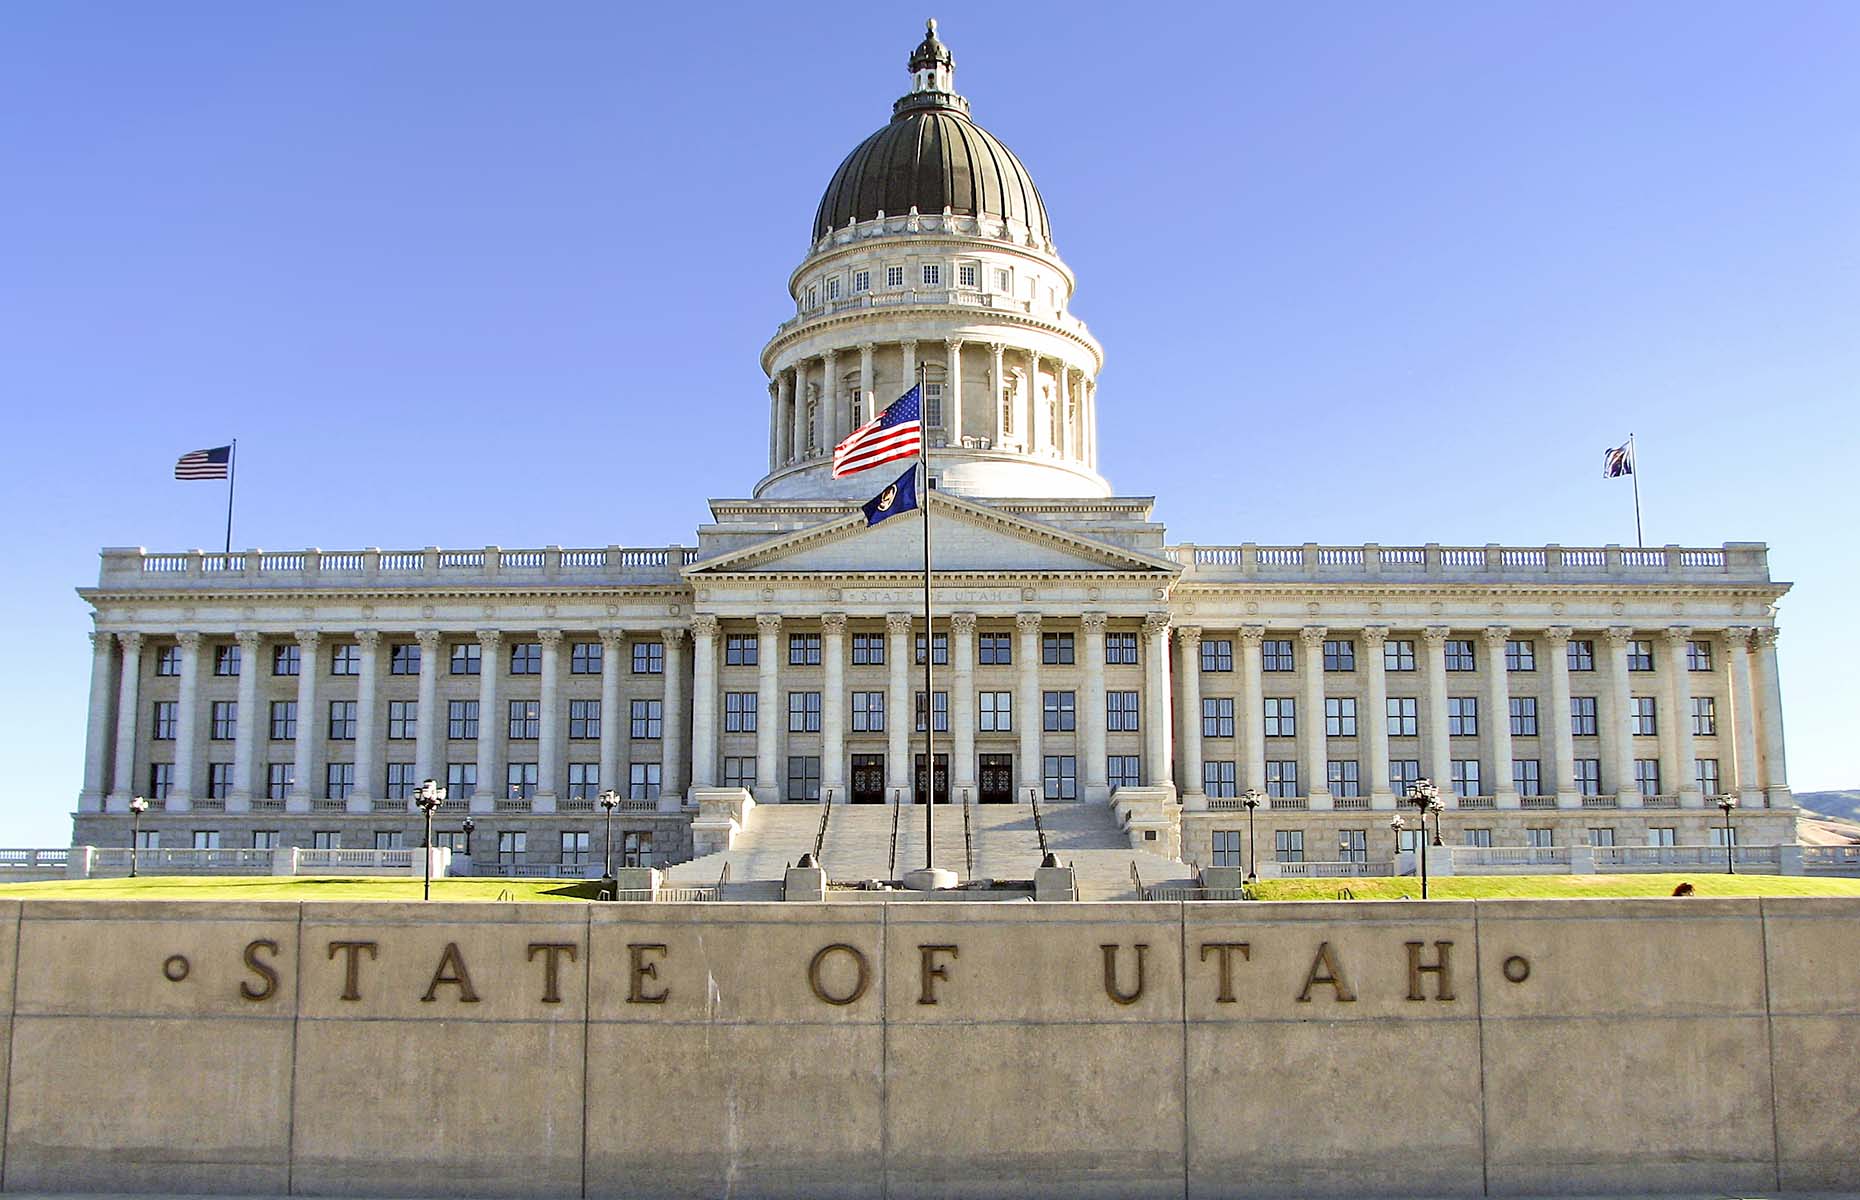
[931, 1049]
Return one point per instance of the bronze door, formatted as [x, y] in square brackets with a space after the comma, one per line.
[942, 780]
[868, 779]
[997, 779]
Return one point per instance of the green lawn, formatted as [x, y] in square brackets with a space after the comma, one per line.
[1497, 887]
[270, 887]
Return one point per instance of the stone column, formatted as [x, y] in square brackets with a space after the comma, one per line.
[1096, 772]
[187, 725]
[674, 751]
[866, 409]
[549, 726]
[1775, 768]
[1559, 736]
[1618, 734]
[1088, 422]
[898, 703]
[775, 425]
[367, 756]
[909, 367]
[491, 725]
[1194, 793]
[1250, 722]
[833, 707]
[1438, 750]
[952, 409]
[961, 703]
[250, 721]
[1743, 778]
[1065, 415]
[768, 709]
[97, 726]
[1157, 741]
[1681, 769]
[704, 629]
[1029, 720]
[1498, 721]
[1033, 439]
[784, 420]
[1314, 743]
[998, 401]
[429, 734]
[312, 725]
[830, 432]
[797, 450]
[613, 653]
[1373, 725]
[123, 781]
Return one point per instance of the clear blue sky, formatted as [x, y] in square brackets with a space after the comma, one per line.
[457, 273]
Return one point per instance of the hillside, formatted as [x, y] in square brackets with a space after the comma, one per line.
[1836, 806]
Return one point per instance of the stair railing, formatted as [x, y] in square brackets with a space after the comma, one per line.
[968, 844]
[820, 836]
[1039, 826]
[723, 877]
[897, 810]
[1136, 881]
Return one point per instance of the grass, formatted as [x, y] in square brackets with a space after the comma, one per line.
[268, 887]
[1501, 887]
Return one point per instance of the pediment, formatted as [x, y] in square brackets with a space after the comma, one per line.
[964, 537]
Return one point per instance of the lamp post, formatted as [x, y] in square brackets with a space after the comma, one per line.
[1426, 798]
[466, 828]
[1396, 826]
[1251, 798]
[610, 800]
[1727, 802]
[137, 807]
[429, 796]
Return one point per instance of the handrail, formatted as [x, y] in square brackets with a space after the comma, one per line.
[897, 810]
[968, 845]
[723, 876]
[1136, 881]
[1039, 826]
[820, 837]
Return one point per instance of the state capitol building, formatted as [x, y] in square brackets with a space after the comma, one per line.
[1558, 696]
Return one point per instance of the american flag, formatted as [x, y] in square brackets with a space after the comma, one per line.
[898, 432]
[204, 464]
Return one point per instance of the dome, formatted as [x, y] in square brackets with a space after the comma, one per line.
[931, 157]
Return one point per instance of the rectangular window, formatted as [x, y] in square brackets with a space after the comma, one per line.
[574, 847]
[526, 658]
[525, 720]
[1281, 716]
[1601, 837]
[1539, 838]
[636, 849]
[1339, 716]
[219, 780]
[226, 659]
[803, 649]
[404, 658]
[868, 649]
[868, 712]
[1120, 712]
[939, 650]
[1276, 654]
[342, 720]
[1404, 773]
[1217, 654]
[1059, 777]
[933, 274]
[739, 771]
[1344, 777]
[740, 650]
[1582, 716]
[265, 839]
[161, 780]
[338, 780]
[168, 660]
[1479, 837]
[283, 720]
[803, 777]
[994, 649]
[279, 777]
[461, 719]
[225, 714]
[326, 839]
[399, 781]
[520, 780]
[403, 720]
[1353, 845]
[1698, 656]
[861, 281]
[1282, 777]
[648, 658]
[1520, 655]
[1340, 655]
[512, 846]
[933, 404]
[894, 277]
[1124, 770]
[642, 781]
[1459, 653]
[1589, 776]
[1639, 655]
[1227, 848]
[1403, 716]
[1704, 716]
[739, 712]
[1004, 282]
[1059, 712]
[345, 660]
[1526, 778]
[1705, 771]
[1056, 649]
[467, 658]
[1524, 716]
[942, 712]
[803, 712]
[584, 719]
[1462, 716]
[1581, 656]
[584, 658]
[646, 719]
[1288, 845]
[1662, 835]
[1217, 717]
[1647, 776]
[1120, 649]
[165, 720]
[833, 287]
[996, 711]
[1218, 778]
[1397, 655]
[1645, 722]
[584, 781]
[1466, 777]
[206, 839]
[287, 659]
[461, 781]
[968, 275]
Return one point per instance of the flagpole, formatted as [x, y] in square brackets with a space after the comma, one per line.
[232, 477]
[923, 494]
[1634, 472]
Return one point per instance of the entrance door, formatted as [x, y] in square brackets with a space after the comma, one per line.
[942, 780]
[997, 779]
[868, 779]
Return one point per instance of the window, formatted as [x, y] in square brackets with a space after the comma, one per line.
[512, 845]
[861, 281]
[1288, 845]
[461, 718]
[1479, 837]
[404, 658]
[1704, 716]
[647, 719]
[520, 780]
[1282, 777]
[283, 720]
[168, 660]
[1719, 833]
[1662, 835]
[1340, 655]
[1227, 847]
[584, 780]
[1123, 770]
[1582, 716]
[574, 847]
[803, 777]
[584, 658]
[868, 712]
[933, 404]
[1647, 776]
[1705, 770]
[1698, 656]
[894, 277]
[467, 658]
[813, 296]
[225, 715]
[997, 711]
[1539, 838]
[994, 649]
[219, 780]
[287, 659]
[161, 780]
[942, 712]
[326, 839]
[833, 287]
[461, 781]
[342, 720]
[1404, 773]
[1353, 845]
[1344, 777]
[1217, 778]
[1059, 776]
[1589, 776]
[1459, 654]
[526, 658]
[868, 649]
[739, 712]
[741, 650]
[226, 661]
[642, 781]
[265, 839]
[338, 780]
[1520, 655]
[206, 839]
[803, 649]
[648, 658]
[933, 274]
[279, 777]
[1217, 717]
[1281, 716]
[525, 720]
[1645, 723]
[739, 771]
[1339, 716]
[1639, 655]
[1059, 712]
[1397, 655]
[1276, 655]
[403, 719]
[1526, 777]
[165, 720]
[1466, 777]
[1217, 654]
[399, 781]
[939, 650]
[1403, 718]
[1601, 837]
[636, 849]
[1582, 656]
[1524, 716]
[803, 712]
[1056, 649]
[1004, 282]
[1120, 712]
[1120, 649]
[968, 275]
[345, 660]
[584, 719]
[1462, 716]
